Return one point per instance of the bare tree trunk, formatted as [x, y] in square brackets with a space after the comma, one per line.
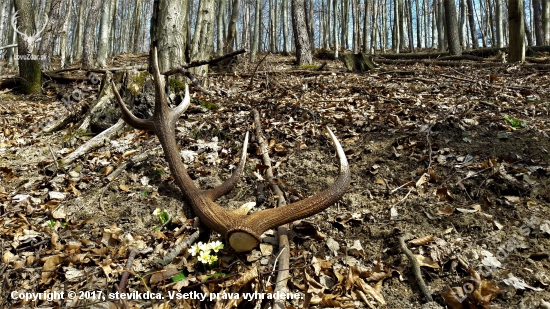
[286, 25]
[440, 33]
[3, 7]
[232, 31]
[113, 9]
[222, 21]
[499, 23]
[136, 26]
[203, 38]
[90, 35]
[451, 26]
[517, 42]
[537, 21]
[335, 24]
[473, 32]
[301, 39]
[29, 68]
[64, 38]
[462, 22]
[410, 25]
[366, 33]
[374, 41]
[528, 33]
[344, 21]
[55, 22]
[78, 36]
[168, 33]
[12, 39]
[103, 44]
[419, 24]
[546, 21]
[256, 35]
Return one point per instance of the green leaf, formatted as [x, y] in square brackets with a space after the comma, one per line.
[179, 277]
[144, 192]
[514, 122]
[215, 276]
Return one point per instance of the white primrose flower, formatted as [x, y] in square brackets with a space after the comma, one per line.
[205, 247]
[213, 259]
[156, 212]
[217, 245]
[196, 248]
[204, 257]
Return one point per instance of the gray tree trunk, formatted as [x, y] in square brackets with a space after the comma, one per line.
[103, 43]
[79, 33]
[451, 26]
[366, 33]
[440, 32]
[50, 33]
[90, 34]
[114, 42]
[528, 33]
[546, 21]
[537, 20]
[335, 25]
[516, 48]
[29, 68]
[221, 24]
[136, 26]
[301, 39]
[168, 33]
[232, 31]
[286, 25]
[64, 38]
[473, 32]
[203, 38]
[499, 24]
[256, 35]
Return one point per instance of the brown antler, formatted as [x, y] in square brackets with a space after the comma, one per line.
[243, 231]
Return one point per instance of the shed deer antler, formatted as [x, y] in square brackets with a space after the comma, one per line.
[243, 231]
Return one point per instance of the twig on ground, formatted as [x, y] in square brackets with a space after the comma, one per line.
[174, 252]
[415, 267]
[131, 257]
[282, 231]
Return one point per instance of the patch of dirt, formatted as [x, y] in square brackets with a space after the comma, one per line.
[427, 160]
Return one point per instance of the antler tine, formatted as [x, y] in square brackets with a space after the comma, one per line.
[230, 183]
[37, 34]
[13, 24]
[184, 104]
[247, 234]
[129, 118]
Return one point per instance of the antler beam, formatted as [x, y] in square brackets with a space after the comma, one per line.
[242, 231]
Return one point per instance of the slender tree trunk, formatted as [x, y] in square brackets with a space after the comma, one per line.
[203, 38]
[90, 34]
[286, 25]
[64, 37]
[222, 8]
[499, 23]
[517, 36]
[113, 41]
[232, 32]
[79, 33]
[366, 33]
[440, 33]
[103, 46]
[168, 33]
[301, 39]
[344, 22]
[136, 28]
[419, 24]
[29, 68]
[335, 24]
[374, 41]
[546, 21]
[3, 7]
[473, 32]
[537, 21]
[256, 35]
[48, 36]
[410, 25]
[528, 33]
[451, 26]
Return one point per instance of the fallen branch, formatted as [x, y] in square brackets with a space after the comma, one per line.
[415, 267]
[256, 69]
[93, 143]
[127, 164]
[282, 231]
[174, 252]
[129, 263]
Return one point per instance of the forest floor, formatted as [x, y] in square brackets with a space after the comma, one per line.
[455, 158]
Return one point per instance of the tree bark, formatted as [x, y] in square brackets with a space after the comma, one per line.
[89, 35]
[516, 50]
[451, 27]
[546, 21]
[335, 24]
[301, 38]
[499, 23]
[537, 21]
[50, 33]
[256, 34]
[286, 25]
[103, 43]
[222, 22]
[232, 31]
[168, 33]
[29, 67]
[203, 38]
[471, 21]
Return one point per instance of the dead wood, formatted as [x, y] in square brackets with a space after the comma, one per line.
[10, 81]
[282, 231]
[415, 267]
